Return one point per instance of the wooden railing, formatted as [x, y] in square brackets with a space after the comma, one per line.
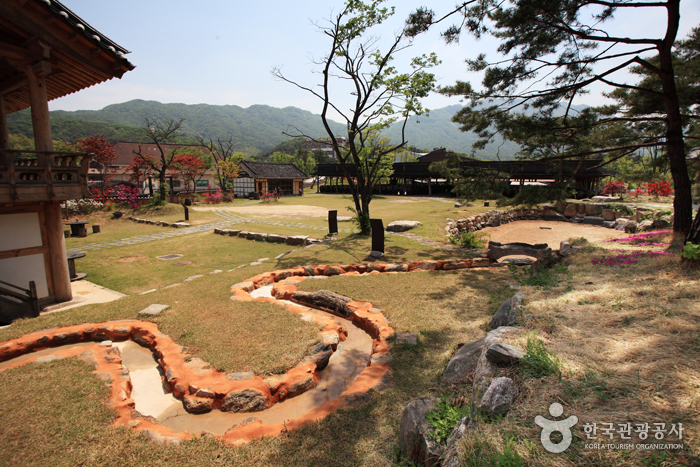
[27, 296]
[42, 175]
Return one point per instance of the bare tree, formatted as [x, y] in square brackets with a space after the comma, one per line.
[381, 94]
[226, 160]
[160, 132]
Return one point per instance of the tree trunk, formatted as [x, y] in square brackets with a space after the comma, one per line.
[682, 202]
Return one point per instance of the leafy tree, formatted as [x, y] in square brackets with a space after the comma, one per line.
[160, 132]
[382, 95]
[20, 141]
[141, 169]
[553, 51]
[191, 166]
[225, 159]
[227, 170]
[103, 157]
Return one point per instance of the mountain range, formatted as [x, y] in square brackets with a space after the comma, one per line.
[255, 129]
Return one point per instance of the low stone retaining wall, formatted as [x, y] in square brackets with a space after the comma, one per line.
[623, 218]
[300, 240]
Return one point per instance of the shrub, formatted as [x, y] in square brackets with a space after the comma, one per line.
[691, 251]
[662, 188]
[214, 198]
[82, 206]
[469, 240]
[614, 188]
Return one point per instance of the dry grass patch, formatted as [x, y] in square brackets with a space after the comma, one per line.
[627, 338]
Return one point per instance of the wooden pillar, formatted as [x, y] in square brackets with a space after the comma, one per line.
[4, 135]
[57, 252]
[40, 111]
[430, 186]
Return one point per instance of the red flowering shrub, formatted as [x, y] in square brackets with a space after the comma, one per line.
[614, 187]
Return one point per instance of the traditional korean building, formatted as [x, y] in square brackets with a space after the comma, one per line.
[46, 52]
[256, 177]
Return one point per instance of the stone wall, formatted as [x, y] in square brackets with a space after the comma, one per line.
[627, 219]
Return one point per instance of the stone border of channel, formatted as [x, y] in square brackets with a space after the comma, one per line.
[187, 380]
[599, 214]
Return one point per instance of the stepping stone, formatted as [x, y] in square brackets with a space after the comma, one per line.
[406, 338]
[168, 257]
[148, 291]
[171, 285]
[216, 271]
[191, 278]
[153, 310]
[106, 344]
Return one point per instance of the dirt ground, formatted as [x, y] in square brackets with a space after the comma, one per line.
[553, 234]
[274, 210]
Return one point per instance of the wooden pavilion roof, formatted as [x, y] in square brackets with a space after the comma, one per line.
[57, 44]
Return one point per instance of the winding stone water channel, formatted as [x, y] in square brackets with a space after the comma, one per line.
[150, 377]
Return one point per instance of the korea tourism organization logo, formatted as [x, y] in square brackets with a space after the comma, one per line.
[549, 427]
[638, 436]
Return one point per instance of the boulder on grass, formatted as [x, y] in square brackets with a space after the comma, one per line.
[499, 397]
[507, 313]
[402, 226]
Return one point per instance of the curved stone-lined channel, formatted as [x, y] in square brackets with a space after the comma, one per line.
[155, 390]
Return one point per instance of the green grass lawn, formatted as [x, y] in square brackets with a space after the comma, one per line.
[626, 338]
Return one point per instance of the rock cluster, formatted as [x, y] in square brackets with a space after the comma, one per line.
[583, 213]
[478, 362]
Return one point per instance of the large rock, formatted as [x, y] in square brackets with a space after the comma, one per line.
[247, 400]
[571, 210]
[319, 354]
[415, 441]
[499, 397]
[463, 363]
[327, 299]
[507, 313]
[504, 354]
[608, 214]
[402, 226]
[565, 249]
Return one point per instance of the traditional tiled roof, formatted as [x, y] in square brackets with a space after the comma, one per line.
[59, 45]
[270, 170]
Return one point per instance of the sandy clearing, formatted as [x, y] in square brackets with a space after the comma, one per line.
[530, 232]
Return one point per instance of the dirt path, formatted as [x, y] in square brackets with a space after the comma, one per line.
[553, 234]
[273, 210]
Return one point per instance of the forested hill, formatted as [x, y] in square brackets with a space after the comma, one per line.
[255, 129]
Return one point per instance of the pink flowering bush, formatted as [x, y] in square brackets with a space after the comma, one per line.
[128, 196]
[627, 258]
[214, 198]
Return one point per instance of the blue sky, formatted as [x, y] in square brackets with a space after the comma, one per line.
[221, 52]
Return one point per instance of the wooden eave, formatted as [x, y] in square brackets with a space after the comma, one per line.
[57, 44]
